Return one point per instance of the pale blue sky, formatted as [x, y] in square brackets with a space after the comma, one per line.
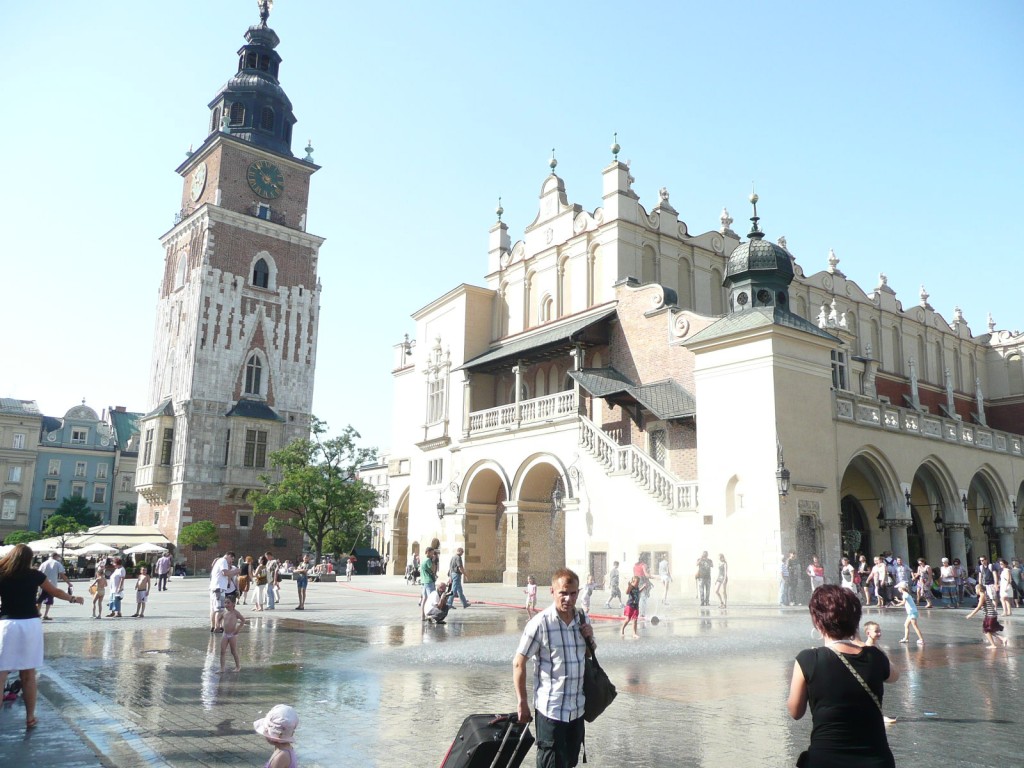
[890, 132]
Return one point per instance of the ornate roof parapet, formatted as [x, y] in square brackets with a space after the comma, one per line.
[924, 298]
[663, 203]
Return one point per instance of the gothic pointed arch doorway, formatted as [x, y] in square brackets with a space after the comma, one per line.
[485, 496]
[854, 528]
[400, 555]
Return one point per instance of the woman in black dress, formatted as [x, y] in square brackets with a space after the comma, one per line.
[842, 683]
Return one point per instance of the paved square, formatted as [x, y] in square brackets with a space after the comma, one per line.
[375, 687]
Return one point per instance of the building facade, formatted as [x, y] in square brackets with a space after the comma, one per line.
[75, 458]
[20, 423]
[620, 388]
[234, 350]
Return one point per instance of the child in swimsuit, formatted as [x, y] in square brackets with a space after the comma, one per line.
[233, 623]
[98, 588]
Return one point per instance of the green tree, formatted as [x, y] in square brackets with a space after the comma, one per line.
[126, 514]
[22, 537]
[319, 492]
[63, 528]
[77, 508]
[199, 536]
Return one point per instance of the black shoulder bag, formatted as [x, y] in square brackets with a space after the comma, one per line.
[598, 690]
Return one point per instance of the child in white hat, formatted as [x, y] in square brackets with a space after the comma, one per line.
[278, 728]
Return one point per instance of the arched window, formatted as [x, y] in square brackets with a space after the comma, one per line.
[649, 266]
[253, 376]
[238, 113]
[179, 272]
[215, 119]
[267, 119]
[547, 306]
[261, 274]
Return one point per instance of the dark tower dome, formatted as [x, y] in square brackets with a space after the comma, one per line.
[252, 106]
[759, 271]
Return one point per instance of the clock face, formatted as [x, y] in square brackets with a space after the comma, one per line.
[198, 181]
[265, 179]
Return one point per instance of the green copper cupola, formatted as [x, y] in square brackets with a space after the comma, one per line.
[759, 271]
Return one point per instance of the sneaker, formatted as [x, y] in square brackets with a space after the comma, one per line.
[920, 642]
[903, 640]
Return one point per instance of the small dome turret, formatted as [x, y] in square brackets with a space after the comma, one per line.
[759, 271]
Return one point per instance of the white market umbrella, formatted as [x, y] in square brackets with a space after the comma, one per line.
[145, 549]
[4, 549]
[97, 549]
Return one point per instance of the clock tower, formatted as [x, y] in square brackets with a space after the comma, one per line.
[234, 349]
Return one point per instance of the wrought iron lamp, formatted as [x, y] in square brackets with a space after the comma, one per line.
[882, 522]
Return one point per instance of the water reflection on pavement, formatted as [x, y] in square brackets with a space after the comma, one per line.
[379, 688]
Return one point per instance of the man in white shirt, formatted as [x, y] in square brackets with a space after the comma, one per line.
[220, 577]
[53, 569]
[117, 588]
[163, 570]
[437, 604]
[557, 639]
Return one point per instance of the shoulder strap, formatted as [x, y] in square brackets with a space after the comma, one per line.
[864, 685]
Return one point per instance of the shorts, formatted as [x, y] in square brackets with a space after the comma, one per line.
[630, 612]
[141, 595]
[217, 600]
[428, 587]
[45, 599]
[301, 582]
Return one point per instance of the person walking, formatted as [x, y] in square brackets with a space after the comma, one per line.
[21, 629]
[273, 566]
[722, 582]
[456, 574]
[987, 579]
[631, 612]
[1005, 587]
[141, 593]
[244, 578]
[665, 575]
[703, 576]
[301, 576]
[558, 639]
[843, 685]
[221, 574]
[815, 573]
[793, 567]
[923, 577]
[846, 575]
[613, 586]
[52, 569]
[162, 569]
[260, 577]
[863, 573]
[947, 584]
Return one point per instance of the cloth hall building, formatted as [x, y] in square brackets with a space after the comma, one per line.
[620, 387]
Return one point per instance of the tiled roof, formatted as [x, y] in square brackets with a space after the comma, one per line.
[254, 409]
[166, 408]
[534, 342]
[17, 407]
[761, 317]
[125, 425]
[666, 399]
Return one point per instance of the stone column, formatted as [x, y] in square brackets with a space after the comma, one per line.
[467, 402]
[1006, 546]
[517, 369]
[514, 538]
[898, 539]
[957, 542]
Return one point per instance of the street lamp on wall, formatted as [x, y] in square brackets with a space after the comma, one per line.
[781, 473]
[882, 522]
[441, 509]
[906, 495]
[940, 524]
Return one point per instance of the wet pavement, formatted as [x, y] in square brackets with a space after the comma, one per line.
[376, 687]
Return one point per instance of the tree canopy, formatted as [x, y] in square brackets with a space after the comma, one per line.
[63, 528]
[22, 537]
[77, 508]
[201, 534]
[319, 491]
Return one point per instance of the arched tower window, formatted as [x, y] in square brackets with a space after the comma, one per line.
[267, 119]
[261, 274]
[215, 119]
[238, 113]
[253, 376]
[179, 272]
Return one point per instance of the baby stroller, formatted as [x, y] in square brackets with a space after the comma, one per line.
[412, 576]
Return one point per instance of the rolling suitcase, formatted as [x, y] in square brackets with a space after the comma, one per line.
[489, 741]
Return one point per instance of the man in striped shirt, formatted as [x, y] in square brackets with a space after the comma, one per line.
[556, 639]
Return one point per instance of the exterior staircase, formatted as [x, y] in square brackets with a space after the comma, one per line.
[675, 495]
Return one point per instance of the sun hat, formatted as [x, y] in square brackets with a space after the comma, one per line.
[278, 724]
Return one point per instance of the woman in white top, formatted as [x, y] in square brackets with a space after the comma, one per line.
[1005, 587]
[846, 573]
[947, 583]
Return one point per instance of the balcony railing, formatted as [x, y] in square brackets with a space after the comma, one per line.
[866, 412]
[537, 410]
[677, 495]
